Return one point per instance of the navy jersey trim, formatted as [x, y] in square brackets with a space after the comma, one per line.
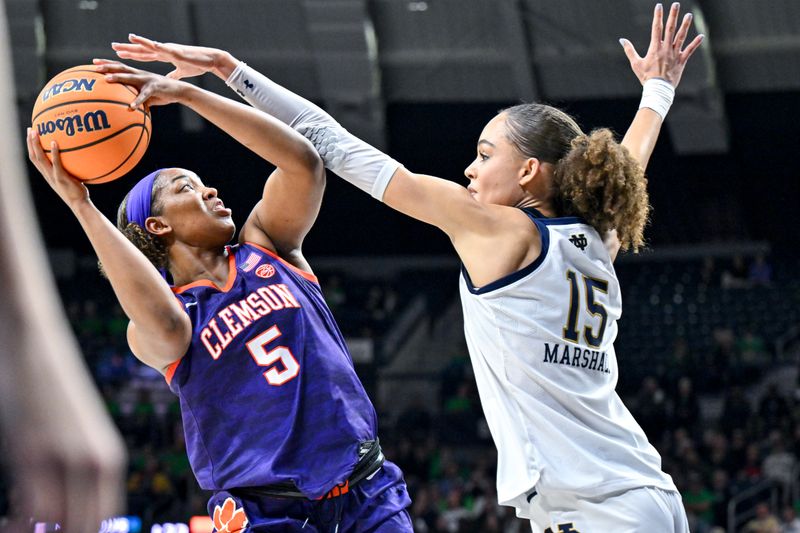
[535, 214]
[521, 273]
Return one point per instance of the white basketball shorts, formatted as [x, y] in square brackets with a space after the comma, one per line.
[643, 510]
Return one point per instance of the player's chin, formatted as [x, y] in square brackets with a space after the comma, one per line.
[226, 225]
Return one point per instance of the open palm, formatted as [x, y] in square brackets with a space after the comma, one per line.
[666, 57]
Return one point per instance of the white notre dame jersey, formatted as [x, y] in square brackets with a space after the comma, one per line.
[541, 343]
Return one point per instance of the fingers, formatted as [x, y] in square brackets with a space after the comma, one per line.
[658, 26]
[134, 51]
[141, 99]
[116, 72]
[683, 31]
[36, 153]
[672, 22]
[56, 155]
[691, 47]
[144, 41]
[110, 65]
[630, 51]
[29, 142]
[139, 49]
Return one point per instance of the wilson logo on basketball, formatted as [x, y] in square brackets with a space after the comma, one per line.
[91, 121]
[265, 271]
[81, 84]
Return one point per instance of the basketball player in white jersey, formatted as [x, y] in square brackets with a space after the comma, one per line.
[545, 211]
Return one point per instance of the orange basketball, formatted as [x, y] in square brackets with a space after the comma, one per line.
[100, 138]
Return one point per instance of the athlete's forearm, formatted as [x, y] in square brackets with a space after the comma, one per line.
[641, 137]
[143, 294]
[264, 94]
[352, 159]
[260, 132]
[224, 65]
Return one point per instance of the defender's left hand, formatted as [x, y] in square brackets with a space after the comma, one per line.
[665, 58]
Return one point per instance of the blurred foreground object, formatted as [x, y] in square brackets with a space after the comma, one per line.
[66, 456]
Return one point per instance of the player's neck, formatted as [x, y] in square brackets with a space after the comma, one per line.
[189, 264]
[544, 207]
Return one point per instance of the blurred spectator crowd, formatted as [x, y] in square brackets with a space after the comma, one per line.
[722, 430]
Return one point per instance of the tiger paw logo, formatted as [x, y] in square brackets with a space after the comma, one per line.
[265, 271]
[229, 519]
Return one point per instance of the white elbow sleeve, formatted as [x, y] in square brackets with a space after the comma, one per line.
[361, 164]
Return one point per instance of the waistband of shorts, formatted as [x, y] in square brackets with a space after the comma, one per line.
[370, 460]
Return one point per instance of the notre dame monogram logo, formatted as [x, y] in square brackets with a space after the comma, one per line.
[579, 241]
[563, 528]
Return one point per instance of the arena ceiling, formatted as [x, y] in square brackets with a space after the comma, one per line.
[356, 56]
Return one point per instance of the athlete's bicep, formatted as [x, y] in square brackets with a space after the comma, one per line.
[439, 202]
[287, 209]
[160, 351]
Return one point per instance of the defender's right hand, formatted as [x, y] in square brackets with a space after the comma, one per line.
[188, 60]
[67, 186]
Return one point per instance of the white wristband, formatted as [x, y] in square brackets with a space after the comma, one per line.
[657, 94]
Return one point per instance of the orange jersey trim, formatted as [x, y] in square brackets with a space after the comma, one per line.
[308, 275]
[209, 283]
[171, 371]
[174, 366]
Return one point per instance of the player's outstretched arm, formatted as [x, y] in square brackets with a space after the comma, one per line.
[659, 71]
[661, 67]
[163, 327]
[292, 195]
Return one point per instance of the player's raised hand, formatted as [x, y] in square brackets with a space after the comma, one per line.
[187, 60]
[69, 188]
[154, 89]
[666, 57]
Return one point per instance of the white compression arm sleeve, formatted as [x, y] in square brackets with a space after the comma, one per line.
[356, 161]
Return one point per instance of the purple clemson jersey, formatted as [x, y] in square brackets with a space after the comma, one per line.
[267, 388]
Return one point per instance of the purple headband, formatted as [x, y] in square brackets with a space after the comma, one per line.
[140, 198]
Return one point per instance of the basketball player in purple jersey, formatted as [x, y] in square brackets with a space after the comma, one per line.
[277, 423]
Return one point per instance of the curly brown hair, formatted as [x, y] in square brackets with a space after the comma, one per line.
[153, 248]
[595, 177]
[601, 182]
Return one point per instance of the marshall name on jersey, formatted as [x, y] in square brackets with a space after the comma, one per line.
[577, 357]
[267, 388]
[541, 342]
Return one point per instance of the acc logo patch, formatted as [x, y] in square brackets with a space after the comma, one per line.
[265, 271]
[229, 519]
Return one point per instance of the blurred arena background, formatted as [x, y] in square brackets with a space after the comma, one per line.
[710, 334]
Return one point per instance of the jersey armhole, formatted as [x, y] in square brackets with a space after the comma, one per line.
[508, 279]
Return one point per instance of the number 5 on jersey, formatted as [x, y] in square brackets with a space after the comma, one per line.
[596, 309]
[262, 357]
